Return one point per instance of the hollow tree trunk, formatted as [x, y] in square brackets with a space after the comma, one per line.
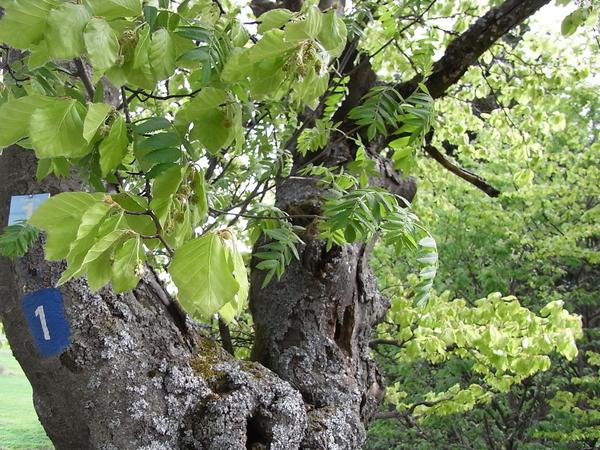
[313, 327]
[131, 378]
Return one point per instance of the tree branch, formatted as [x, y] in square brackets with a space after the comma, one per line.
[465, 174]
[85, 78]
[465, 50]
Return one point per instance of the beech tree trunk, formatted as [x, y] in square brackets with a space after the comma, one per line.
[132, 378]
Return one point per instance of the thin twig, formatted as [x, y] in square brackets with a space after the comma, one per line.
[137, 93]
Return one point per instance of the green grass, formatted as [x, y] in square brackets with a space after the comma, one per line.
[19, 425]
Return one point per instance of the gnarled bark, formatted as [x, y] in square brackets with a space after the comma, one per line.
[131, 379]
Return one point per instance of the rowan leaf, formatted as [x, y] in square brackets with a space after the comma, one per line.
[16, 239]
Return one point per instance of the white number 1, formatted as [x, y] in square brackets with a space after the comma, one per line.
[39, 312]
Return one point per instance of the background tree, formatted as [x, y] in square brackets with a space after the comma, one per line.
[161, 129]
[537, 241]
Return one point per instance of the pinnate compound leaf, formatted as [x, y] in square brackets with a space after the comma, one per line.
[57, 130]
[202, 273]
[16, 239]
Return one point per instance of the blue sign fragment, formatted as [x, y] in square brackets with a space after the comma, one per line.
[23, 206]
[45, 314]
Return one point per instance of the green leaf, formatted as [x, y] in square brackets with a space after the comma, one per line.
[91, 221]
[428, 242]
[114, 147]
[94, 119]
[104, 245]
[271, 45]
[216, 119]
[38, 55]
[574, 20]
[241, 275]
[57, 130]
[309, 28]
[16, 239]
[111, 9]
[275, 18]
[199, 200]
[195, 33]
[60, 216]
[102, 45]
[137, 68]
[158, 141]
[164, 187]
[162, 54]
[202, 274]
[129, 259]
[150, 125]
[24, 22]
[333, 34]
[65, 31]
[150, 15]
[99, 272]
[15, 116]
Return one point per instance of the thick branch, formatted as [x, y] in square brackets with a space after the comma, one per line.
[466, 49]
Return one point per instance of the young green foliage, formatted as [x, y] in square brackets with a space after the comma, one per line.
[16, 239]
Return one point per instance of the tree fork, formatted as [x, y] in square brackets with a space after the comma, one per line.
[129, 378]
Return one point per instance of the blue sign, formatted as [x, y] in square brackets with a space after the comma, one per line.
[23, 206]
[45, 316]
